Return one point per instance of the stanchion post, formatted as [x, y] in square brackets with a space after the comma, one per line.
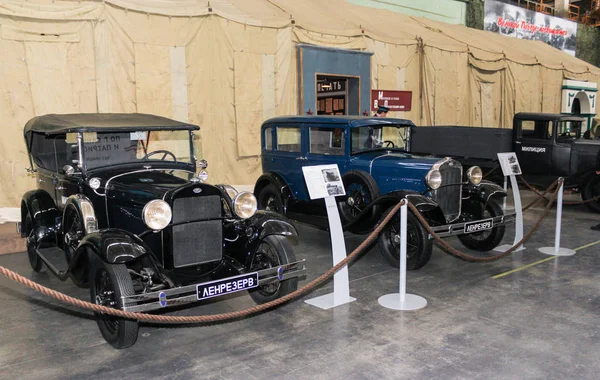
[401, 300]
[557, 250]
[506, 190]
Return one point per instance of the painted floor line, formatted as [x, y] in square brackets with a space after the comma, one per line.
[540, 262]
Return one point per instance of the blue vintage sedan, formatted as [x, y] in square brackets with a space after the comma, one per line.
[373, 155]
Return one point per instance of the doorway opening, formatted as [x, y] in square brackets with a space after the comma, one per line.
[337, 95]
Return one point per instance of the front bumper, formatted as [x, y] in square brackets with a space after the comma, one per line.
[189, 293]
[459, 228]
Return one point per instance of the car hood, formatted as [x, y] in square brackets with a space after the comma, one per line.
[141, 186]
[392, 159]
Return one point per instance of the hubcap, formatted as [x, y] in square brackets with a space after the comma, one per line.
[350, 201]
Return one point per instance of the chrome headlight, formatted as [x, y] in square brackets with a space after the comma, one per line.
[475, 175]
[433, 179]
[244, 204]
[203, 175]
[157, 214]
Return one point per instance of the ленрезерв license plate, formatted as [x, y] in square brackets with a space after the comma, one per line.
[227, 285]
[480, 225]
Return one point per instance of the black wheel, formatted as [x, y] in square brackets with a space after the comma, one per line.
[273, 251]
[108, 283]
[361, 189]
[34, 260]
[486, 240]
[591, 190]
[165, 153]
[418, 244]
[269, 199]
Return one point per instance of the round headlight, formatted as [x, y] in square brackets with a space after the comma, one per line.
[475, 175]
[244, 204]
[203, 175]
[433, 179]
[94, 183]
[157, 214]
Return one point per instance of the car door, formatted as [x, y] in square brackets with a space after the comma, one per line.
[327, 144]
[289, 155]
[534, 146]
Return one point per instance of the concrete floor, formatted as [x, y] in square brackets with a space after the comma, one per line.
[537, 323]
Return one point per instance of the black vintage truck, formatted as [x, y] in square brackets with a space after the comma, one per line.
[547, 146]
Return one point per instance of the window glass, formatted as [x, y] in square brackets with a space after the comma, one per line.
[377, 137]
[52, 152]
[268, 138]
[329, 141]
[288, 139]
[570, 129]
[536, 129]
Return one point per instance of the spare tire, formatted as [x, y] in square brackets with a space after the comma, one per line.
[361, 190]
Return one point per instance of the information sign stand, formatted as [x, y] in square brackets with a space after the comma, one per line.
[557, 250]
[324, 181]
[510, 168]
[402, 301]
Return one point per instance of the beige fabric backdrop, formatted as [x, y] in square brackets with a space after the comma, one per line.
[230, 66]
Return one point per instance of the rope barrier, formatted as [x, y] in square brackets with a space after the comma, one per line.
[466, 257]
[554, 187]
[200, 318]
[530, 187]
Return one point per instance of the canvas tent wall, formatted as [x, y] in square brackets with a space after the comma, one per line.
[230, 64]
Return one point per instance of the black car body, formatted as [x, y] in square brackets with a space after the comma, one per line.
[120, 208]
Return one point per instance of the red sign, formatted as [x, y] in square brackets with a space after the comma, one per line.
[394, 100]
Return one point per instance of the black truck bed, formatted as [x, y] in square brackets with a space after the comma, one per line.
[454, 141]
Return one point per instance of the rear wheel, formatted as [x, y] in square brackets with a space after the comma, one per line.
[34, 260]
[486, 240]
[591, 190]
[269, 199]
[108, 283]
[361, 189]
[418, 244]
[273, 251]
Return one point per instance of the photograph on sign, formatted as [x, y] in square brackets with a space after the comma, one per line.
[323, 181]
[509, 163]
[514, 21]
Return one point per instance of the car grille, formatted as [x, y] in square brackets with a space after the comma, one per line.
[197, 242]
[449, 197]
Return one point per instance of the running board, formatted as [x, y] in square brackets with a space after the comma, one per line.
[52, 259]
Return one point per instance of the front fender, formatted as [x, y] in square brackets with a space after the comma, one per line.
[271, 223]
[114, 246]
[485, 191]
[279, 183]
[429, 208]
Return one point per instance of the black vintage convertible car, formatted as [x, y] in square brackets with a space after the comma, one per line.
[123, 207]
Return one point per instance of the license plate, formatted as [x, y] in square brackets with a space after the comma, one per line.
[227, 285]
[480, 225]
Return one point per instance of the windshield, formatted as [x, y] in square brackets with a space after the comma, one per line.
[569, 129]
[378, 137]
[111, 148]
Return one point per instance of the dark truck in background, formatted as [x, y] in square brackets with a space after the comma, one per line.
[547, 146]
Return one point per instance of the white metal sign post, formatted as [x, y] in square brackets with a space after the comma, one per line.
[324, 181]
[557, 250]
[510, 167]
[402, 301]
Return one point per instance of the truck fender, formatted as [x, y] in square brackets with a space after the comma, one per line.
[45, 217]
[486, 190]
[113, 245]
[270, 178]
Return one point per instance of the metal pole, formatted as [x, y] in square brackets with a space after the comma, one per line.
[506, 190]
[403, 252]
[558, 217]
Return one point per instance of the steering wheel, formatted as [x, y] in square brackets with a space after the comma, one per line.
[164, 152]
[389, 143]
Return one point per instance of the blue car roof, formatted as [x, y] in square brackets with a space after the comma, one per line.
[352, 121]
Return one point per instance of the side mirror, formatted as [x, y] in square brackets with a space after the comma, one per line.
[203, 164]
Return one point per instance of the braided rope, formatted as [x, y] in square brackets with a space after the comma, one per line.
[597, 197]
[467, 257]
[200, 318]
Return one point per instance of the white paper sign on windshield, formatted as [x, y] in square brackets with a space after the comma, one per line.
[509, 163]
[323, 181]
